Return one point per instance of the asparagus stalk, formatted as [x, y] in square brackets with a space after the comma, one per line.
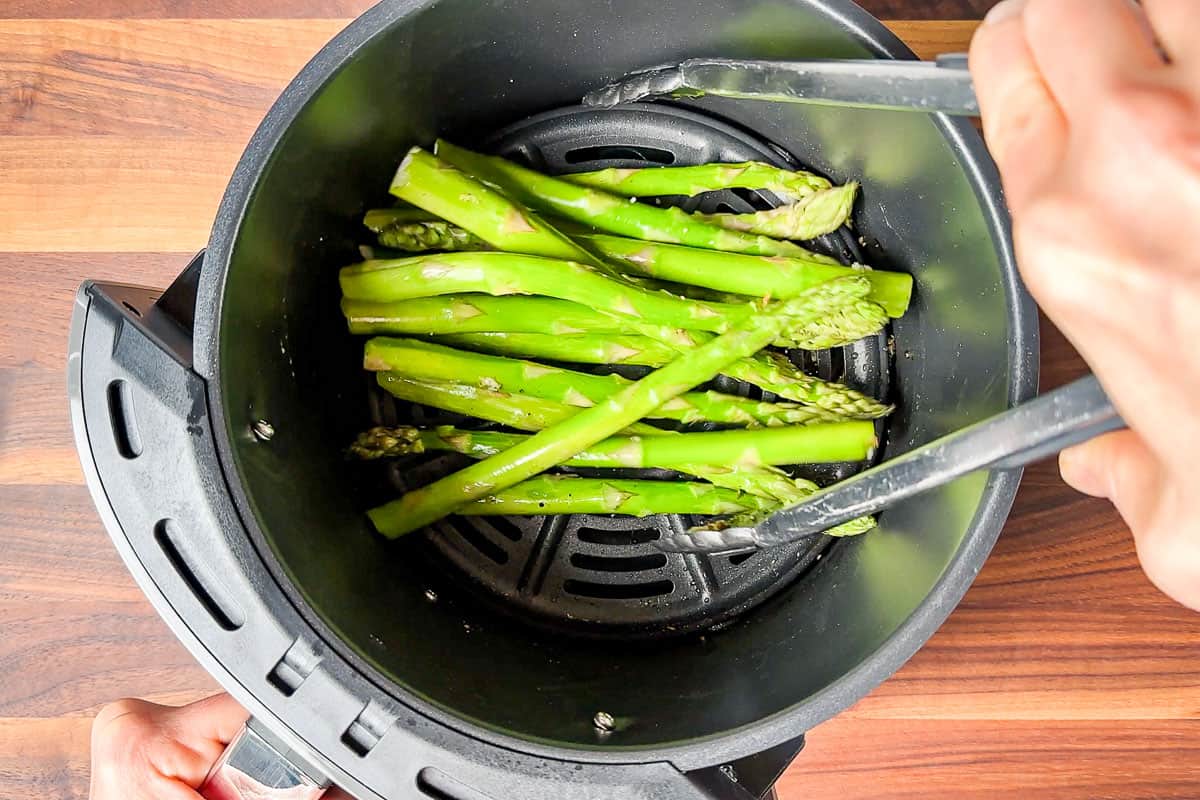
[439, 188]
[535, 414]
[578, 348]
[419, 237]
[611, 213]
[811, 444]
[481, 313]
[757, 276]
[727, 274]
[484, 314]
[813, 216]
[511, 273]
[418, 508]
[382, 220]
[570, 494]
[843, 326]
[828, 401]
[427, 362]
[774, 373]
[514, 410]
[787, 185]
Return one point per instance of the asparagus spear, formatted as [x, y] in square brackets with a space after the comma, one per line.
[579, 348]
[418, 508]
[514, 410]
[627, 348]
[419, 237]
[481, 313]
[757, 276]
[439, 188]
[382, 220]
[534, 414]
[427, 362]
[815, 215]
[570, 494]
[843, 326]
[512, 273]
[609, 212]
[728, 274]
[772, 373]
[787, 185]
[810, 444]
[484, 314]
[478, 314]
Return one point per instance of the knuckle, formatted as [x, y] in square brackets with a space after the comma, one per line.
[119, 722]
[1163, 119]
[1044, 21]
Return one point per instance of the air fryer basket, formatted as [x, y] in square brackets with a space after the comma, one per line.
[601, 575]
[212, 424]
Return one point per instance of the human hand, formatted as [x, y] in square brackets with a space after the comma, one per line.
[144, 751]
[1091, 108]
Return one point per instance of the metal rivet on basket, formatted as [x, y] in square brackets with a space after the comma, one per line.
[431, 595]
[729, 772]
[263, 430]
[604, 722]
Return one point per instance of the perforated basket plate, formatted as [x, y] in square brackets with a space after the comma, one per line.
[601, 575]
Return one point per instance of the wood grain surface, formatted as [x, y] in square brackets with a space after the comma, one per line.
[1063, 674]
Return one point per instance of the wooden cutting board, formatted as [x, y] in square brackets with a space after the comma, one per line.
[1062, 674]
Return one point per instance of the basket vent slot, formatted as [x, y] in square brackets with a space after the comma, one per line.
[197, 576]
[619, 563]
[617, 538]
[618, 591]
[124, 425]
[619, 152]
[435, 784]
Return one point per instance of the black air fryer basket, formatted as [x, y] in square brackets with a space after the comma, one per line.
[532, 657]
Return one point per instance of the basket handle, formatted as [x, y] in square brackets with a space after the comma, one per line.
[252, 768]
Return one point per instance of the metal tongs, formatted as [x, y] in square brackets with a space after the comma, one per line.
[1026, 433]
[941, 86]
[1019, 436]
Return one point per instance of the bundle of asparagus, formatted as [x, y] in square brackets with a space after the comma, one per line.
[488, 270]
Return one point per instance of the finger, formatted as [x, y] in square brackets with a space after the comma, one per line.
[214, 720]
[1120, 467]
[1175, 24]
[178, 762]
[1087, 49]
[1024, 127]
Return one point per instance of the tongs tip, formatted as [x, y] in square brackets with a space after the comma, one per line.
[710, 539]
[636, 86]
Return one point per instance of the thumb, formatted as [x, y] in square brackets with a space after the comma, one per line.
[206, 726]
[1117, 466]
[1120, 467]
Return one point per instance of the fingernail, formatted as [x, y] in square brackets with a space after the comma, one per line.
[1005, 9]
